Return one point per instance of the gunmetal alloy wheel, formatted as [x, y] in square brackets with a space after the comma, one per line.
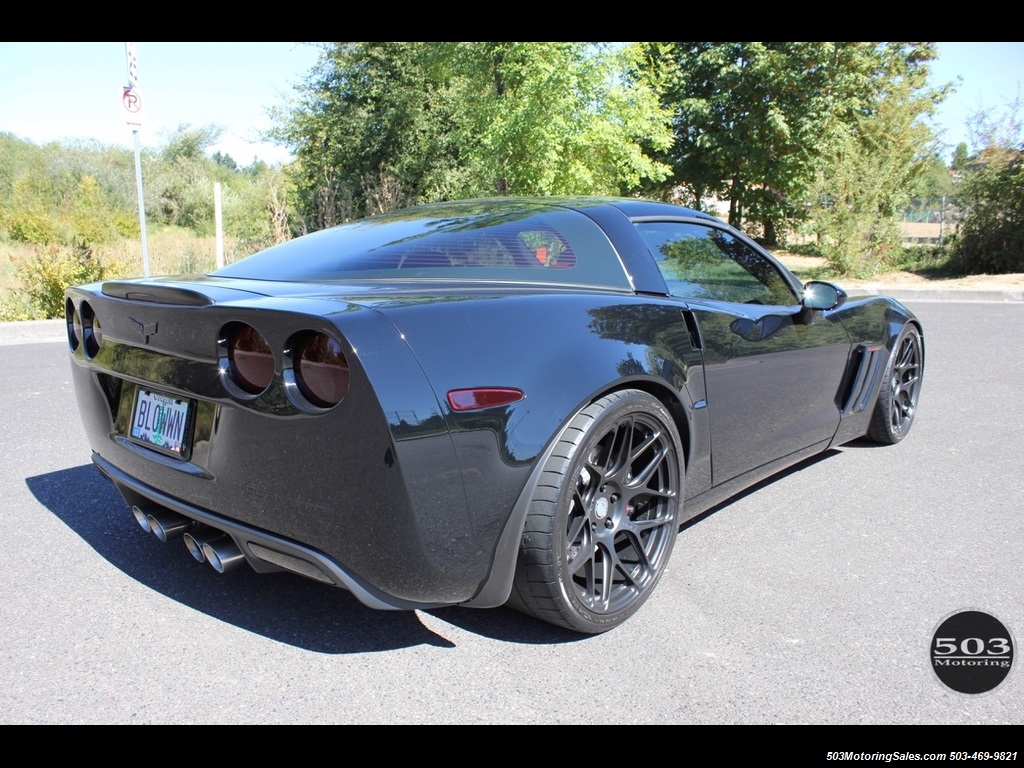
[897, 400]
[604, 516]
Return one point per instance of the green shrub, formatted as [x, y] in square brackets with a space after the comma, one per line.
[29, 226]
[990, 239]
[52, 269]
[15, 307]
[927, 260]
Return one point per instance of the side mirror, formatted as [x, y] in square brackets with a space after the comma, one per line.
[821, 296]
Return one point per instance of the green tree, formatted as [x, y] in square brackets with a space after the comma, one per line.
[92, 217]
[257, 208]
[382, 125]
[371, 129]
[190, 142]
[757, 122]
[178, 180]
[28, 198]
[990, 237]
[876, 157]
[961, 155]
[64, 193]
[112, 168]
[990, 195]
[934, 181]
[857, 228]
[549, 118]
[76, 202]
[29, 214]
[225, 160]
[748, 119]
[17, 158]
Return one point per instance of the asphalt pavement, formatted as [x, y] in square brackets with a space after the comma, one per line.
[812, 599]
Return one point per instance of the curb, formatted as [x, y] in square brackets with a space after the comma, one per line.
[32, 331]
[937, 294]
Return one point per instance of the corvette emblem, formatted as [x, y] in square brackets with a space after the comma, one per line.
[145, 329]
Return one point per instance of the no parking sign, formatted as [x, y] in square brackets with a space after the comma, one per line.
[131, 97]
[131, 103]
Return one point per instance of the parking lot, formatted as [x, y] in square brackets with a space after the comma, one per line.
[812, 599]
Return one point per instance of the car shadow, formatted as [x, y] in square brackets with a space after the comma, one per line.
[865, 442]
[770, 480]
[282, 607]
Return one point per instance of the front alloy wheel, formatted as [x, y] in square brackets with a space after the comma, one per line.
[897, 400]
[604, 516]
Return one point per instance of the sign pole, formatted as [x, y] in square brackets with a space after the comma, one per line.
[142, 206]
[219, 219]
[131, 102]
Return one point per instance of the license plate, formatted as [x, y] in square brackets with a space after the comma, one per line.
[162, 422]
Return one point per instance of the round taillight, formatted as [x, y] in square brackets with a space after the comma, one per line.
[91, 332]
[321, 369]
[97, 334]
[251, 359]
[74, 323]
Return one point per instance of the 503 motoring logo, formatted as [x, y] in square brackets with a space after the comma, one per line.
[972, 652]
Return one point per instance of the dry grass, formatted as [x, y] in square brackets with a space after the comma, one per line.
[813, 267]
[171, 252]
[176, 251]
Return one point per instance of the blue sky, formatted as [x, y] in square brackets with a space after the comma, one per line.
[72, 91]
[57, 91]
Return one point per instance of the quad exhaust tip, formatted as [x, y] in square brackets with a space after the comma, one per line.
[223, 554]
[168, 527]
[165, 525]
[205, 544]
[142, 519]
[208, 545]
[196, 538]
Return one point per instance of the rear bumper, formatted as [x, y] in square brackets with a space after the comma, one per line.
[367, 495]
[263, 551]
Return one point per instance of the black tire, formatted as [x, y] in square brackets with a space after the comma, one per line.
[604, 516]
[897, 399]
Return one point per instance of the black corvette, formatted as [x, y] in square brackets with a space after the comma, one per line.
[489, 402]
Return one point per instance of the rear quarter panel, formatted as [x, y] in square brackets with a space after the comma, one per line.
[562, 351]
